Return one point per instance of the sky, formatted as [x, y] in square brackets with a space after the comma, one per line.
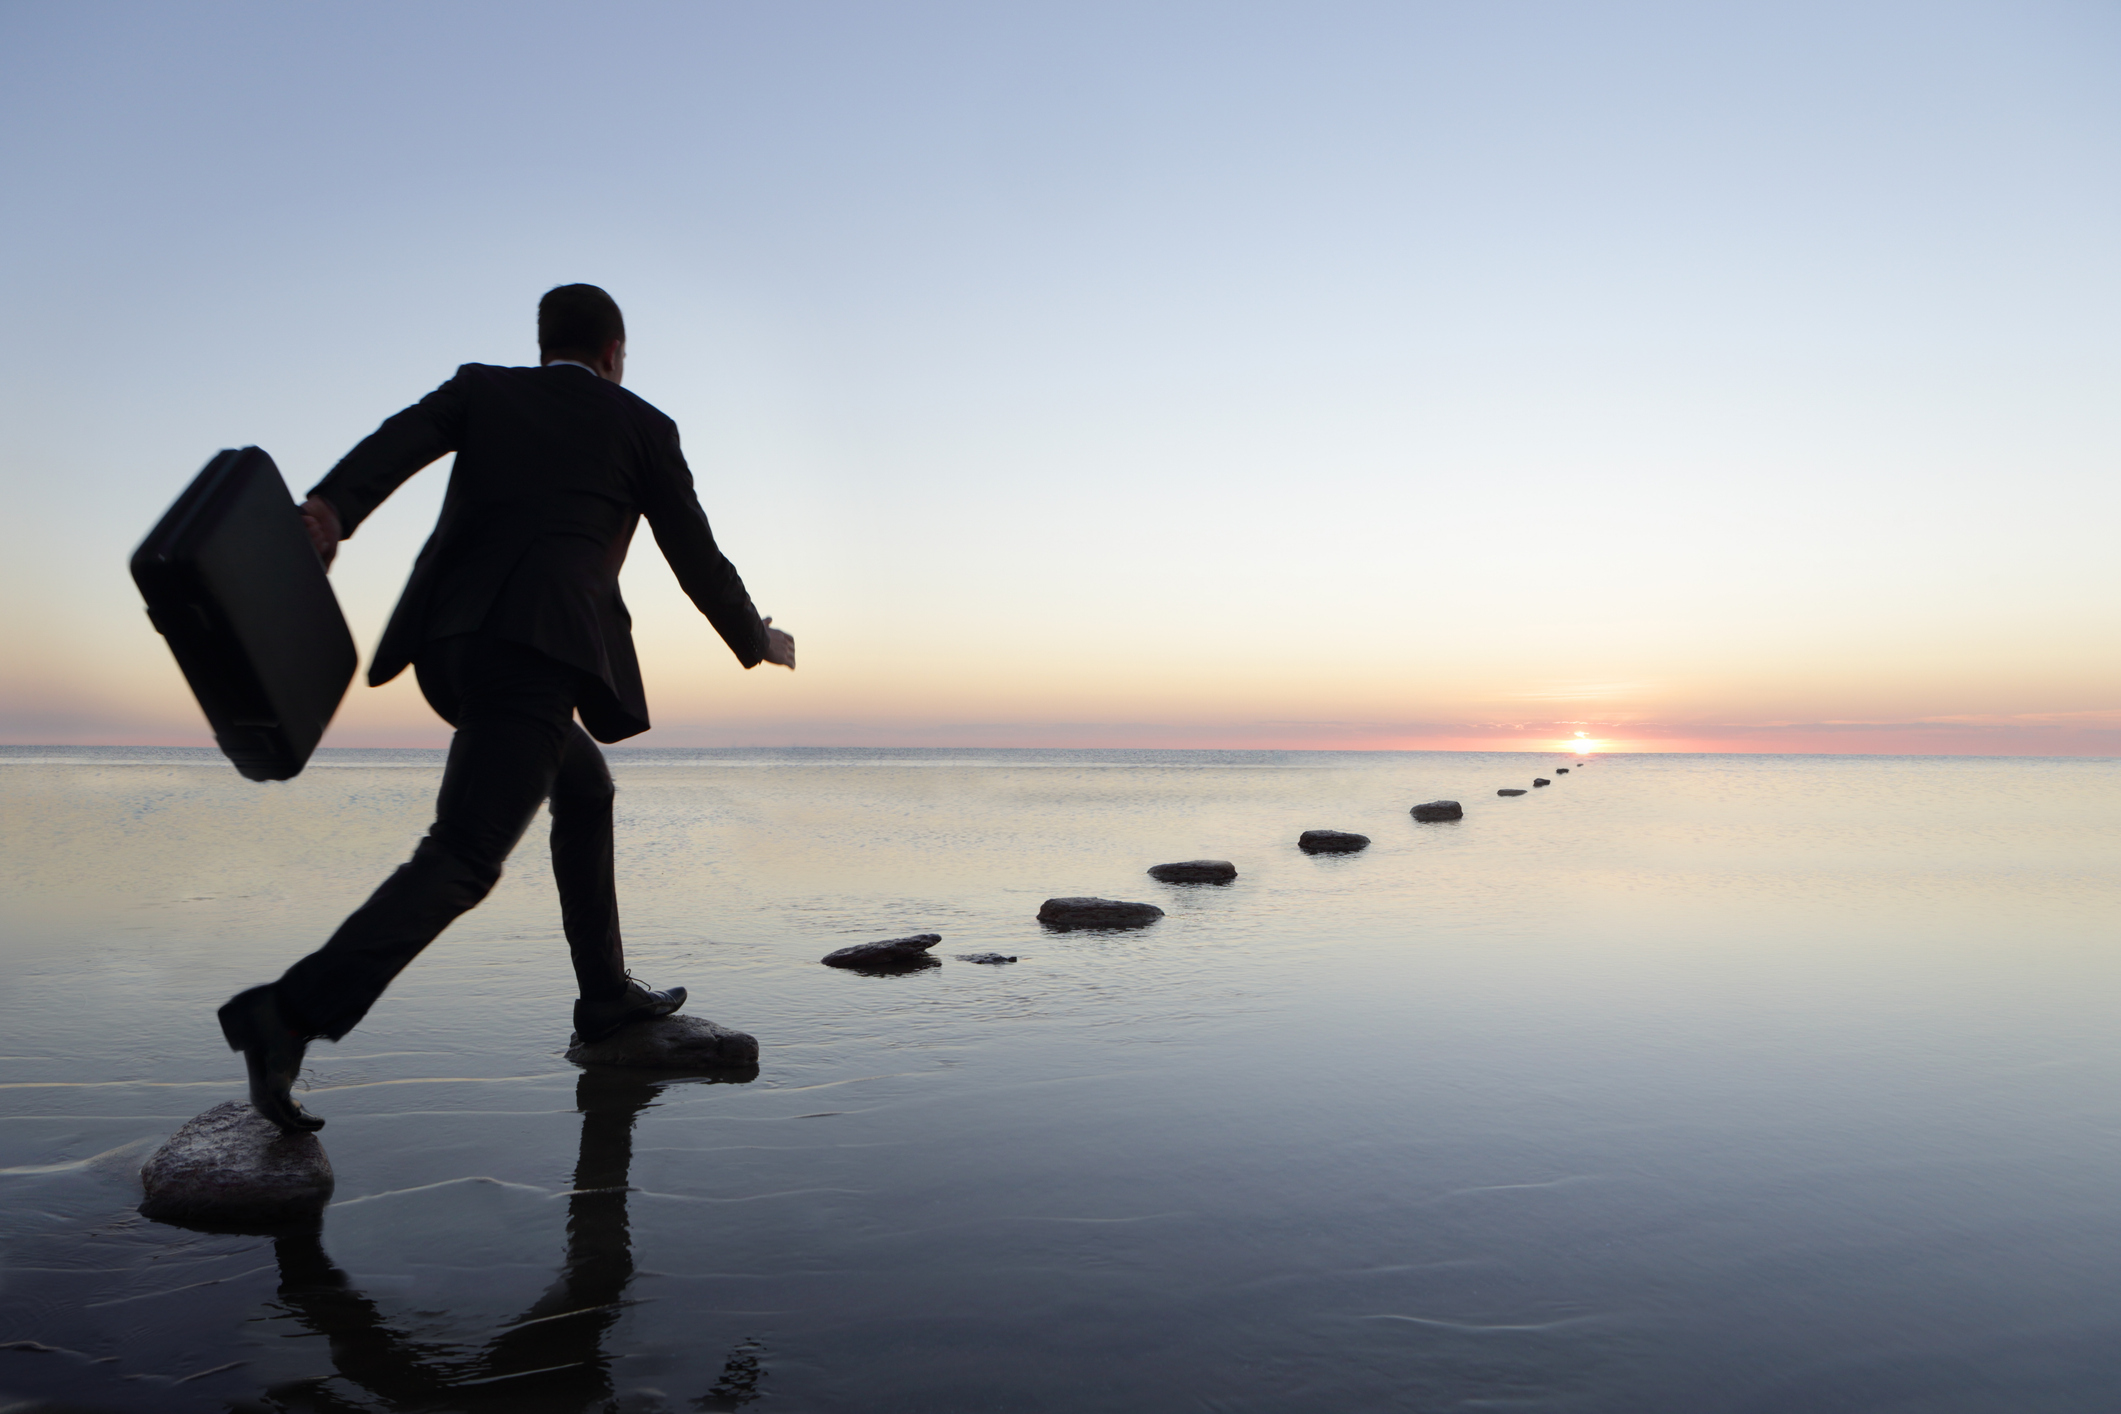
[1493, 374]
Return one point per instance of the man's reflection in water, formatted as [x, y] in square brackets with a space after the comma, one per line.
[549, 1360]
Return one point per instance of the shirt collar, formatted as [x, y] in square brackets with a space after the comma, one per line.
[574, 363]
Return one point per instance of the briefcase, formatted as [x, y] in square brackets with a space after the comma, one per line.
[235, 588]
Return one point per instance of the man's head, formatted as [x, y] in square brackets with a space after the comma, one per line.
[582, 323]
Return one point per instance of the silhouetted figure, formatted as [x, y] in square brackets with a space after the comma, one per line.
[513, 622]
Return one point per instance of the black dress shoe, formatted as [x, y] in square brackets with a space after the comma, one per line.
[593, 1021]
[272, 1053]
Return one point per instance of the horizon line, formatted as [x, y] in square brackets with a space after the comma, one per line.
[215, 752]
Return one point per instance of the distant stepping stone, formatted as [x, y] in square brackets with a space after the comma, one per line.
[1439, 810]
[1331, 842]
[670, 1043]
[892, 954]
[987, 957]
[1513, 792]
[231, 1167]
[1561, 770]
[1541, 781]
[1096, 913]
[1195, 871]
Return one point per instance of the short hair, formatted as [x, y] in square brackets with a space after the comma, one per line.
[577, 321]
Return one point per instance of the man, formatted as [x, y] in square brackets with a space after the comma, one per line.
[513, 622]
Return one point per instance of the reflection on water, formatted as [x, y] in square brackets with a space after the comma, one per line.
[1694, 1084]
[552, 1356]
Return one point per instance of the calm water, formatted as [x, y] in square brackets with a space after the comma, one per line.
[1689, 1084]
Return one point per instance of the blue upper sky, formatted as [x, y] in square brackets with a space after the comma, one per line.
[1228, 373]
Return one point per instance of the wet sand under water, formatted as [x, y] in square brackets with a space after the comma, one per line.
[1688, 1083]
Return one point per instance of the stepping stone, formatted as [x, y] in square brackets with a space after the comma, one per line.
[890, 955]
[231, 1167]
[1513, 792]
[1541, 781]
[1195, 871]
[988, 957]
[669, 1043]
[1561, 770]
[1096, 913]
[1331, 842]
[1439, 810]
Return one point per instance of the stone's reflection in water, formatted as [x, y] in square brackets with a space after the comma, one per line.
[550, 1360]
[739, 1384]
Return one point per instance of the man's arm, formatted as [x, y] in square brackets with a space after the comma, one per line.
[381, 464]
[709, 580]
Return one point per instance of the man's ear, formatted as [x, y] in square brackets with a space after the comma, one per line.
[612, 359]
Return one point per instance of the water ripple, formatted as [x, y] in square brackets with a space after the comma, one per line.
[172, 1291]
[1477, 1329]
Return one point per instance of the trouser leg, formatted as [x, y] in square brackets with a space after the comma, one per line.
[328, 992]
[582, 866]
[512, 708]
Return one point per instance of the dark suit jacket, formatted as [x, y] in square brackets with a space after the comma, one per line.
[555, 467]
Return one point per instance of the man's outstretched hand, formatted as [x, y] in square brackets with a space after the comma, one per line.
[322, 523]
[780, 647]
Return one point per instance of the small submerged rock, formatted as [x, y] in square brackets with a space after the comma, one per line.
[1096, 913]
[1512, 791]
[987, 957]
[892, 953]
[1331, 842]
[1195, 871]
[1541, 781]
[233, 1167]
[1439, 810]
[670, 1043]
